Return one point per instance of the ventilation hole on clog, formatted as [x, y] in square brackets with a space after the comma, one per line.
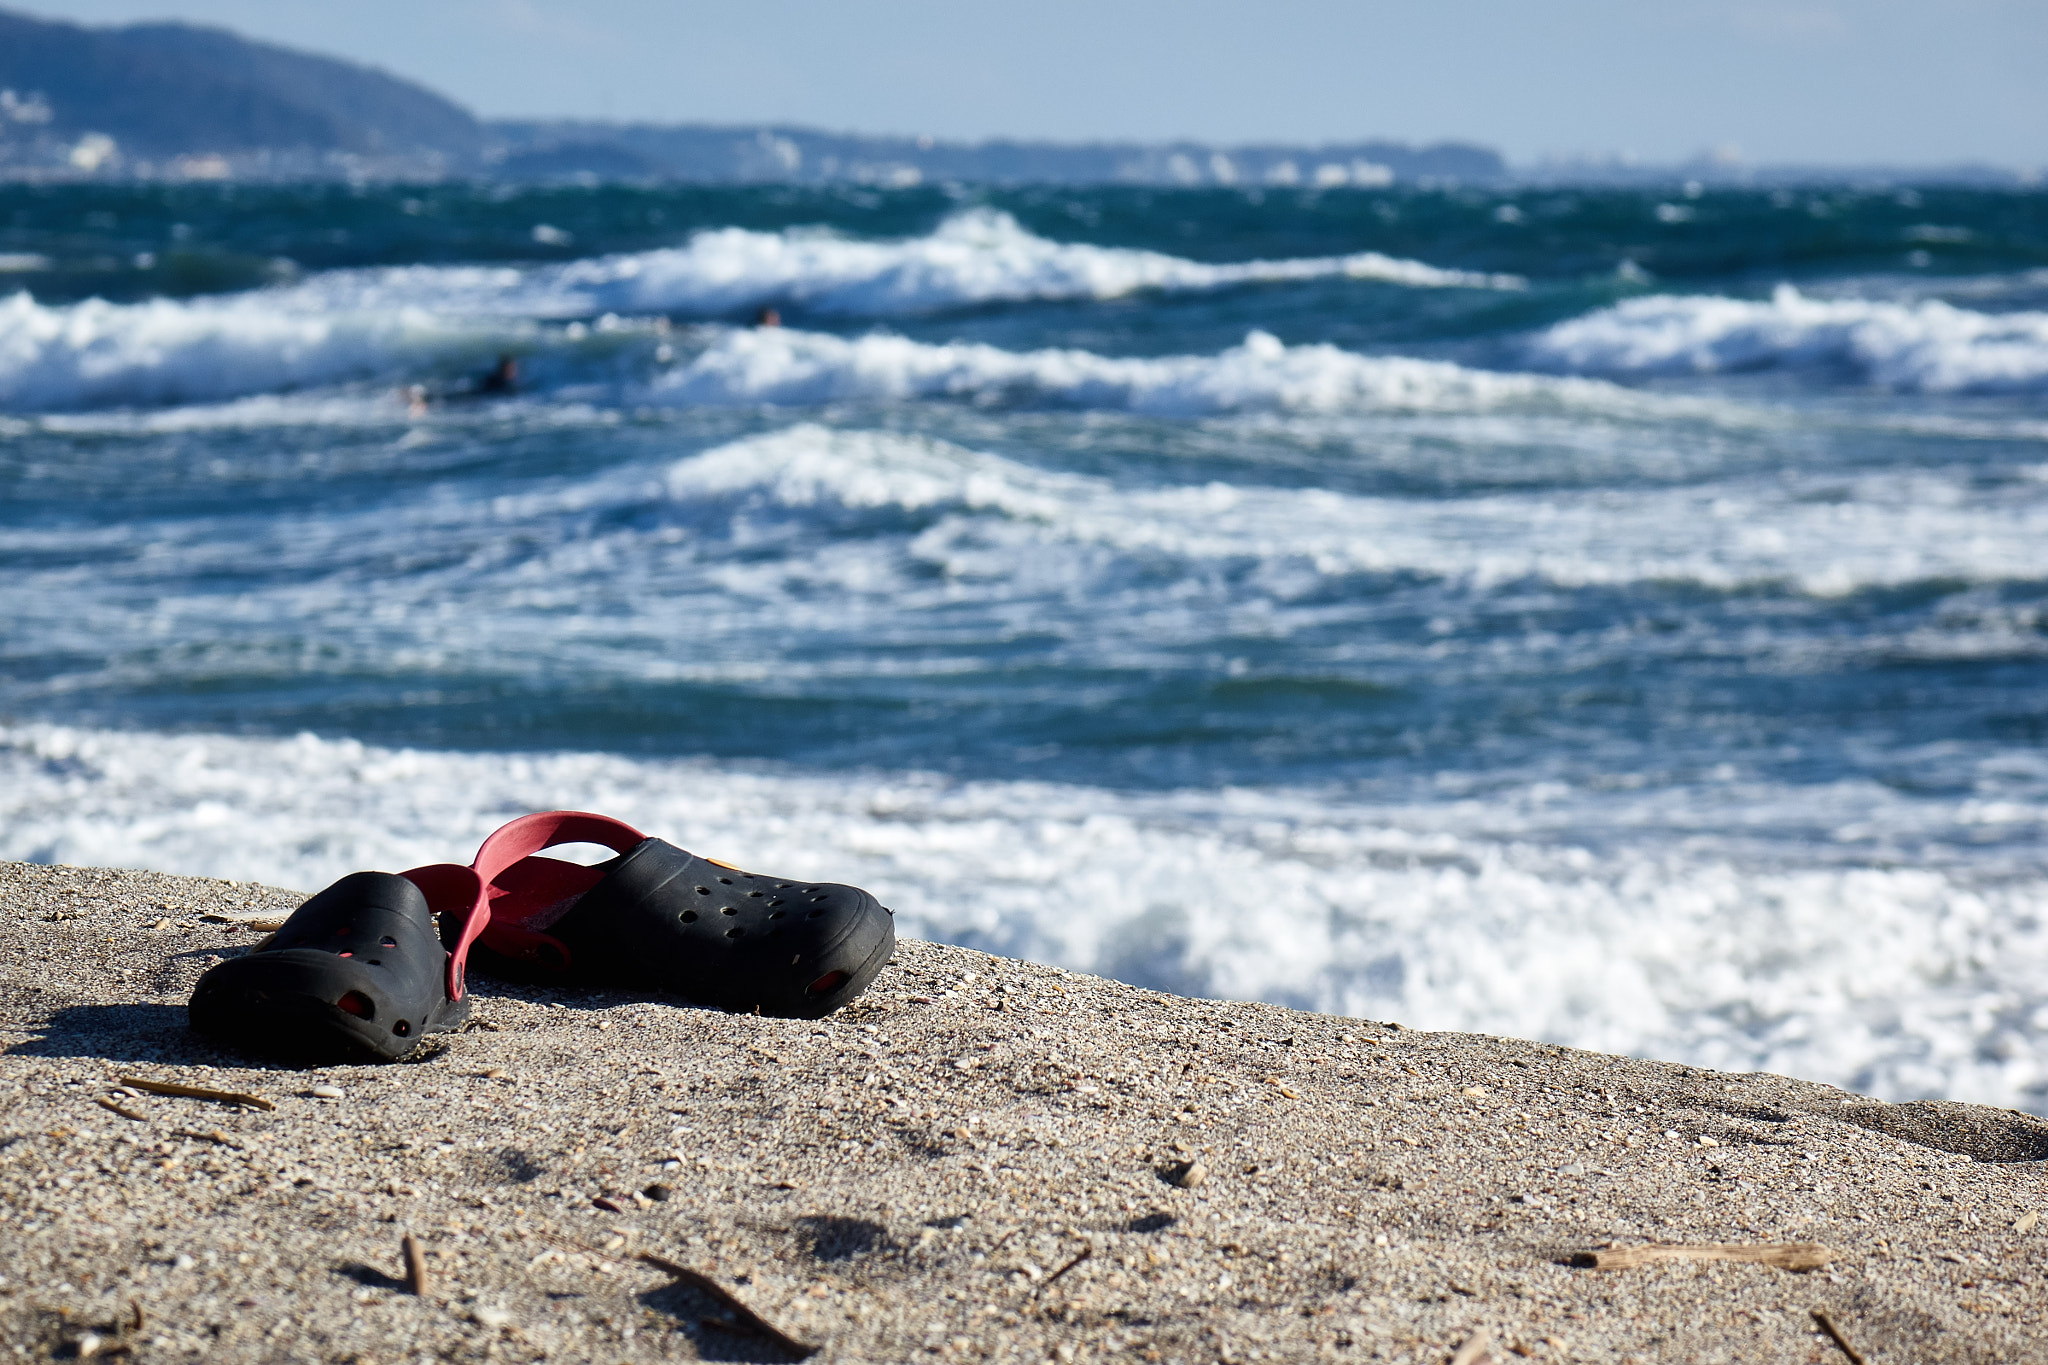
[688, 917]
[725, 881]
[343, 931]
[358, 1004]
[814, 914]
[346, 954]
[735, 932]
[755, 894]
[777, 914]
[830, 981]
[374, 961]
[730, 910]
[388, 941]
[776, 900]
[703, 890]
[402, 1028]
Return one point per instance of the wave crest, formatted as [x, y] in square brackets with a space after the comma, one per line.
[1930, 347]
[977, 257]
[973, 258]
[99, 354]
[796, 368]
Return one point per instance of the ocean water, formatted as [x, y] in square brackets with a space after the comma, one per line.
[1610, 617]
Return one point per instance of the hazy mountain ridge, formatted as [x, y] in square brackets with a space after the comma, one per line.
[169, 100]
[126, 100]
[180, 102]
[573, 149]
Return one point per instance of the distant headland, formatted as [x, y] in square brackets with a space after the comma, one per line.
[176, 102]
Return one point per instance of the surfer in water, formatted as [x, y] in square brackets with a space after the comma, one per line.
[501, 380]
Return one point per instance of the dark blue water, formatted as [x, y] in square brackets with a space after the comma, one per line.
[1649, 585]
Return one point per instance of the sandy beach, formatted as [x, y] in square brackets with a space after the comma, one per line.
[980, 1159]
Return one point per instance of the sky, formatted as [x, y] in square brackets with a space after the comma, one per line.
[1899, 82]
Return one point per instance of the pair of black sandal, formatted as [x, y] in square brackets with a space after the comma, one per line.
[370, 966]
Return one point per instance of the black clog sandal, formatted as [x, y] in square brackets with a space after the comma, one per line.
[361, 972]
[658, 916]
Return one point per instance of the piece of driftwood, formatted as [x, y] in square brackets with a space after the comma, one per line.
[1784, 1255]
[415, 1265]
[1827, 1324]
[113, 1108]
[744, 1318]
[197, 1092]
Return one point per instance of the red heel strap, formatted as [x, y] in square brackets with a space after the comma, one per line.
[448, 886]
[510, 907]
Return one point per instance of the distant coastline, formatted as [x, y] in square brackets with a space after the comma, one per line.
[169, 102]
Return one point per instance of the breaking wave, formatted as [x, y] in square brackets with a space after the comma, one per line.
[99, 354]
[1487, 915]
[1930, 347]
[393, 322]
[795, 368]
[976, 257]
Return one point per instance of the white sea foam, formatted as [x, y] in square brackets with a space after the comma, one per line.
[1522, 913]
[99, 354]
[939, 549]
[791, 367]
[1926, 347]
[1877, 528]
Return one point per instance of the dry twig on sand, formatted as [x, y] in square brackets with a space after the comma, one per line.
[111, 1107]
[744, 1318]
[1827, 1324]
[415, 1265]
[197, 1092]
[1087, 1250]
[1784, 1255]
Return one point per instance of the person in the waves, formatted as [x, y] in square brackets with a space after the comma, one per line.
[503, 378]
